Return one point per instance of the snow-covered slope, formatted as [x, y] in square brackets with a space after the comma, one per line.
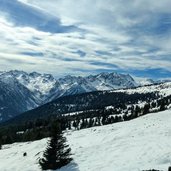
[149, 81]
[139, 144]
[163, 89]
[14, 98]
[146, 82]
[108, 81]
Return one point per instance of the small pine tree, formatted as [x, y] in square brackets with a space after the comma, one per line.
[74, 124]
[146, 108]
[82, 126]
[162, 105]
[58, 152]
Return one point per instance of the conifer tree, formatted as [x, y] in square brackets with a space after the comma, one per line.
[162, 105]
[146, 108]
[58, 152]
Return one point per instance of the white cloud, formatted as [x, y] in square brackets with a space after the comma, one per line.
[111, 32]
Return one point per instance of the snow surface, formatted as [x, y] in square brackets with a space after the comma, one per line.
[142, 143]
[163, 89]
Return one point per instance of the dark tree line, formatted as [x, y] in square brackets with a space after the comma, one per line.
[83, 102]
[41, 127]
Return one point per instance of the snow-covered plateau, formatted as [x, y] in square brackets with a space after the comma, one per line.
[163, 89]
[136, 145]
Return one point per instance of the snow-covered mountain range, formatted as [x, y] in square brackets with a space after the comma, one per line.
[22, 91]
[45, 87]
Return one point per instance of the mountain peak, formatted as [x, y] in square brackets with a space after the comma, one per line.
[34, 74]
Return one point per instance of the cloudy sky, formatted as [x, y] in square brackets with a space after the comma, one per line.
[82, 37]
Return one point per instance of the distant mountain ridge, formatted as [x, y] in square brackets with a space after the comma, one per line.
[148, 81]
[23, 91]
[45, 86]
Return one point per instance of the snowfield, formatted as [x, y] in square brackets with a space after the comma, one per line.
[163, 89]
[142, 143]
